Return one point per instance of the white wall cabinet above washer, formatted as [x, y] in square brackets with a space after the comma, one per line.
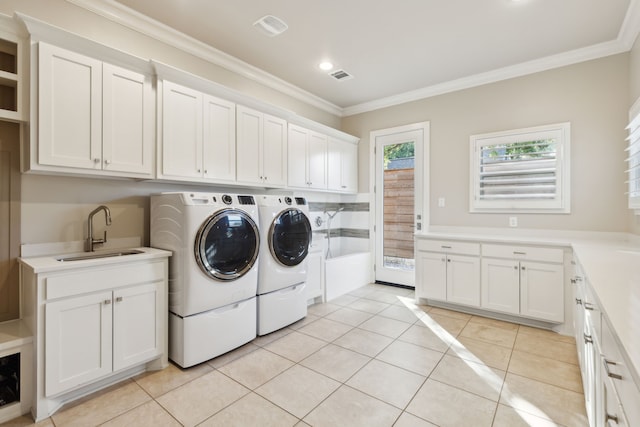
[262, 148]
[342, 166]
[307, 162]
[93, 117]
[197, 134]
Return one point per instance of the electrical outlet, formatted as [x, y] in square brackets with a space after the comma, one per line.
[513, 221]
[441, 202]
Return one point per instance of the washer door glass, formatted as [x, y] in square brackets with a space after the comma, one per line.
[290, 237]
[227, 244]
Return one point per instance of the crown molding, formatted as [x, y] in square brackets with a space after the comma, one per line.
[129, 18]
[513, 71]
[142, 24]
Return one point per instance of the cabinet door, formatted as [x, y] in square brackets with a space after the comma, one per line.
[431, 275]
[137, 324]
[317, 160]
[219, 139]
[181, 131]
[501, 285]
[334, 164]
[542, 291]
[342, 166]
[463, 280]
[297, 156]
[127, 121]
[77, 341]
[69, 109]
[349, 168]
[249, 145]
[274, 151]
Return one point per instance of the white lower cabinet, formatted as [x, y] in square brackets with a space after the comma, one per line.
[612, 396]
[94, 325]
[515, 282]
[524, 281]
[315, 272]
[448, 271]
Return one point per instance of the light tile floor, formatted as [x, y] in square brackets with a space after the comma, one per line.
[370, 358]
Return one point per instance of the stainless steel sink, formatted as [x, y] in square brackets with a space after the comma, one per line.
[98, 255]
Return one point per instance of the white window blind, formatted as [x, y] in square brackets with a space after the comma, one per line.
[520, 170]
[633, 162]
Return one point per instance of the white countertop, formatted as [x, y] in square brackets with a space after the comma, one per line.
[50, 263]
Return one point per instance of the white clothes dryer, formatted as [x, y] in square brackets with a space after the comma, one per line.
[213, 273]
[286, 236]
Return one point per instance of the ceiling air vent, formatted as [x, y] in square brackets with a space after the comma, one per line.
[340, 75]
[271, 25]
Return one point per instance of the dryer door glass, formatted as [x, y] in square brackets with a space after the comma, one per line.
[227, 244]
[289, 237]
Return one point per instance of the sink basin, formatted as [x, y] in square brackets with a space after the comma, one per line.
[98, 255]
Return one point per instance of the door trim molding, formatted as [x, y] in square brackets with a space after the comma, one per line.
[421, 199]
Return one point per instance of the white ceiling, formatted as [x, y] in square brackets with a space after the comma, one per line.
[402, 49]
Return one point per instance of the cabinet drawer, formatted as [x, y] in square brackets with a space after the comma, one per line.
[616, 369]
[450, 247]
[529, 253]
[100, 278]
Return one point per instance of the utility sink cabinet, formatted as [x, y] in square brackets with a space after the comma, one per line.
[95, 321]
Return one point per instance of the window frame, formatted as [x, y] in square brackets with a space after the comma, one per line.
[560, 204]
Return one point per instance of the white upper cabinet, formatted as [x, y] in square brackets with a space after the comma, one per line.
[93, 117]
[219, 139]
[261, 148]
[181, 153]
[198, 136]
[342, 166]
[307, 158]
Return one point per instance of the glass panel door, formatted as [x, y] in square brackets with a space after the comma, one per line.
[398, 191]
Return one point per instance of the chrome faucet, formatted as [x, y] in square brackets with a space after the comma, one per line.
[90, 240]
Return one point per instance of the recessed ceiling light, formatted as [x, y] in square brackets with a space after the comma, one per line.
[326, 65]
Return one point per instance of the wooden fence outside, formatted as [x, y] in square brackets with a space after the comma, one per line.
[398, 213]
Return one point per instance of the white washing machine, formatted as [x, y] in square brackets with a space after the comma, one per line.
[286, 236]
[213, 273]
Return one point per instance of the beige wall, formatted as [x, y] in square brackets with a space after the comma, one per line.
[593, 96]
[634, 94]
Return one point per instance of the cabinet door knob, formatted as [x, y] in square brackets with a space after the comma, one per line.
[587, 339]
[198, 170]
[118, 299]
[107, 302]
[107, 162]
[578, 301]
[515, 267]
[96, 160]
[523, 268]
[205, 171]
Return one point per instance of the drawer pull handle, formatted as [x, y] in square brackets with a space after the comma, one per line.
[611, 374]
[589, 306]
[587, 339]
[519, 253]
[578, 301]
[610, 417]
[445, 247]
